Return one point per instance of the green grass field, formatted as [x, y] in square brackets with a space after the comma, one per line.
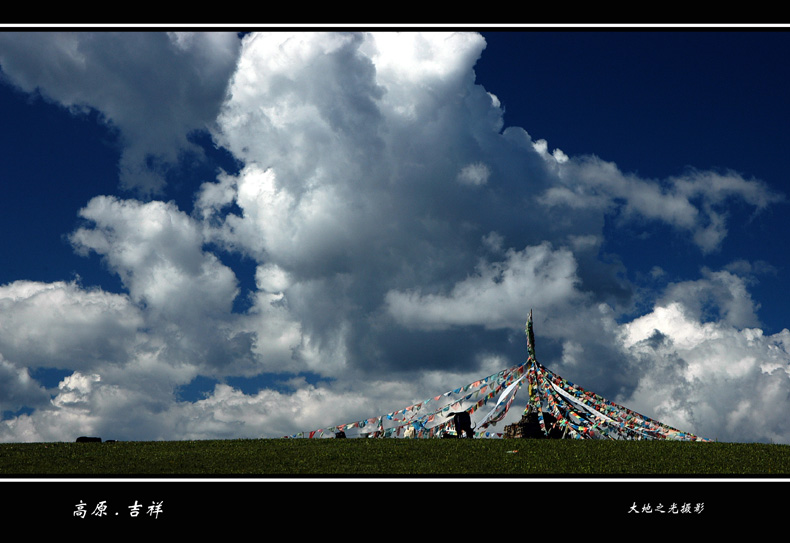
[397, 458]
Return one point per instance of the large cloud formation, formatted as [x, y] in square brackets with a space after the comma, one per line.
[156, 89]
[399, 232]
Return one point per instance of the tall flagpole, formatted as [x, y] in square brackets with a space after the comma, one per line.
[530, 338]
[533, 402]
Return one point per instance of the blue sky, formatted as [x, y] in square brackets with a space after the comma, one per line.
[205, 236]
[657, 103]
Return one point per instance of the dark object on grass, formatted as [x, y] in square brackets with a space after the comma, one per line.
[340, 434]
[463, 424]
[529, 427]
[85, 439]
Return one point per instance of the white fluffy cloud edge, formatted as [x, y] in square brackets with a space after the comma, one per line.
[400, 233]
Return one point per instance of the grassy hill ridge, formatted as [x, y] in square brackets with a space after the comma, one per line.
[398, 458]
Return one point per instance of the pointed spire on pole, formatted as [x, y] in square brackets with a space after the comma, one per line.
[530, 338]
